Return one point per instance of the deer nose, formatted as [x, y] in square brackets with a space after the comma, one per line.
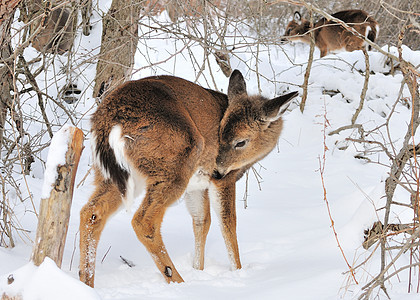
[216, 175]
[283, 41]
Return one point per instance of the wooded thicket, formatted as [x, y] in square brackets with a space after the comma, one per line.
[51, 27]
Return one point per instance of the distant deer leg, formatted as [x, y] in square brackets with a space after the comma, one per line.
[199, 207]
[147, 223]
[93, 216]
[223, 196]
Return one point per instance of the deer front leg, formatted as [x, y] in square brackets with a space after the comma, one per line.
[222, 194]
[199, 208]
[93, 216]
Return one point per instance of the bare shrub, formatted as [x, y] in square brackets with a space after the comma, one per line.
[31, 95]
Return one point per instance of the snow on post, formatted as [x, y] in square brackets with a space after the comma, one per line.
[57, 193]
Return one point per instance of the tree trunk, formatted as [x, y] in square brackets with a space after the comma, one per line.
[119, 43]
[7, 10]
[55, 211]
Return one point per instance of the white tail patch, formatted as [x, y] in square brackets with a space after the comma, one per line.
[117, 143]
[135, 182]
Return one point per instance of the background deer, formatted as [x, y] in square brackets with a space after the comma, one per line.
[331, 36]
[172, 137]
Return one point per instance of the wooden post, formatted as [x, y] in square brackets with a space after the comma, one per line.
[54, 211]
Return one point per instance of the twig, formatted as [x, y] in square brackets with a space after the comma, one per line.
[376, 281]
[322, 162]
[309, 66]
[106, 253]
[127, 262]
[365, 87]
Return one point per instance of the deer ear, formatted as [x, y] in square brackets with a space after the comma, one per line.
[237, 85]
[297, 17]
[274, 108]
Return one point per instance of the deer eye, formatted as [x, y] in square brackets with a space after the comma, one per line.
[240, 144]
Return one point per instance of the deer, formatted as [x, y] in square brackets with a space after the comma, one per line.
[332, 37]
[171, 138]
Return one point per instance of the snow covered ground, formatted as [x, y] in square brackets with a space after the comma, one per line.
[287, 246]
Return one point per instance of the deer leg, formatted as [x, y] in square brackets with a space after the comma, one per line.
[148, 219]
[104, 202]
[199, 207]
[223, 196]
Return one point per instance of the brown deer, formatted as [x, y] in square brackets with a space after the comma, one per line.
[331, 36]
[171, 137]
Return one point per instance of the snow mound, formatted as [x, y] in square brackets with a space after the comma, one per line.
[46, 282]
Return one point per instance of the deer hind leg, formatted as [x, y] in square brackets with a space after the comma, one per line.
[148, 219]
[222, 195]
[104, 202]
[198, 205]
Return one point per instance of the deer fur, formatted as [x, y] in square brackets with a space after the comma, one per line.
[171, 137]
[331, 36]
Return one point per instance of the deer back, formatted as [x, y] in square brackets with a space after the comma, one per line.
[331, 36]
[149, 125]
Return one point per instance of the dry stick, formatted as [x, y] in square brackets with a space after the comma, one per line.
[375, 282]
[55, 210]
[203, 44]
[384, 149]
[338, 130]
[15, 99]
[34, 84]
[321, 171]
[221, 33]
[365, 87]
[245, 199]
[309, 66]
[127, 262]
[106, 253]
[74, 250]
[4, 207]
[257, 176]
[84, 177]
[402, 157]
[257, 55]
[362, 100]
[391, 113]
[365, 260]
[411, 78]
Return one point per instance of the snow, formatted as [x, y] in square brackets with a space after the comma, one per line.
[286, 243]
[47, 282]
[59, 144]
